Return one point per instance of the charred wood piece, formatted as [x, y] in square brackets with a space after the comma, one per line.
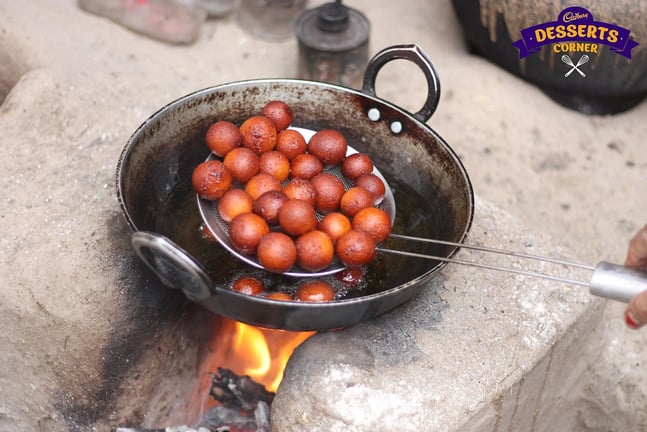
[238, 392]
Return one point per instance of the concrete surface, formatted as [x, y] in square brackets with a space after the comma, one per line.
[87, 333]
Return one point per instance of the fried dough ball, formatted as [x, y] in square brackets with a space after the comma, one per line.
[373, 221]
[279, 112]
[355, 165]
[335, 224]
[261, 183]
[233, 203]
[222, 137]
[258, 134]
[276, 164]
[268, 205]
[350, 276]
[373, 184]
[355, 248]
[329, 146]
[305, 166]
[243, 164]
[315, 250]
[329, 190]
[301, 189]
[355, 199]
[276, 252]
[291, 143]
[211, 179]
[248, 285]
[315, 291]
[279, 295]
[246, 231]
[297, 217]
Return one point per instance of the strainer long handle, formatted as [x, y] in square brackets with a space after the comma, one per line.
[608, 280]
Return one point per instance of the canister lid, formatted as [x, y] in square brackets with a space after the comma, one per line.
[333, 27]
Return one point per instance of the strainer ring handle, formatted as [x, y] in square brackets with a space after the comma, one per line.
[172, 264]
[416, 55]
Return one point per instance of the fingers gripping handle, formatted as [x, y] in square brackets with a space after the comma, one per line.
[617, 282]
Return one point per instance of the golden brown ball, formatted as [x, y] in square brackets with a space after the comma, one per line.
[211, 179]
[297, 217]
[355, 248]
[246, 231]
[355, 199]
[279, 112]
[374, 221]
[261, 183]
[222, 137]
[305, 166]
[329, 190]
[233, 203]
[291, 143]
[268, 205]
[315, 291]
[276, 252]
[243, 164]
[248, 285]
[258, 134]
[329, 146]
[315, 251]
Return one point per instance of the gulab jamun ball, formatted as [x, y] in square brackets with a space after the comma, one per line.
[291, 143]
[373, 221]
[301, 189]
[315, 291]
[280, 113]
[373, 184]
[355, 165]
[335, 224]
[246, 231]
[258, 133]
[329, 146]
[222, 137]
[305, 166]
[243, 164]
[329, 189]
[233, 203]
[211, 179]
[276, 252]
[261, 183]
[248, 285]
[279, 295]
[268, 205]
[315, 251]
[275, 163]
[355, 248]
[354, 200]
[297, 217]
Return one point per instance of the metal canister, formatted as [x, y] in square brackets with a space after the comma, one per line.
[333, 44]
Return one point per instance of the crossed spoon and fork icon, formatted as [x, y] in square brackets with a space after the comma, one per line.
[566, 59]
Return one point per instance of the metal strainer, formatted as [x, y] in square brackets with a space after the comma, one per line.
[220, 228]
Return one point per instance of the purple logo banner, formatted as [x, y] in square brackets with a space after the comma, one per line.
[575, 24]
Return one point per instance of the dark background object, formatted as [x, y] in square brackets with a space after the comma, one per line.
[613, 83]
[333, 44]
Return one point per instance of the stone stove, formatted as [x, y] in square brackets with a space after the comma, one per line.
[92, 341]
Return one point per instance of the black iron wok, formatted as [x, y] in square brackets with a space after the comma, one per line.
[431, 188]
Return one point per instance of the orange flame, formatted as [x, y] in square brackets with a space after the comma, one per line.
[260, 353]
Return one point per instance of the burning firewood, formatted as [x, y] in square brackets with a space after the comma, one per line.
[245, 407]
[238, 392]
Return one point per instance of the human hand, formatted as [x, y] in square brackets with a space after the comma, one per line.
[636, 311]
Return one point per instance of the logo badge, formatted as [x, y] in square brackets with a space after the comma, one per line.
[575, 31]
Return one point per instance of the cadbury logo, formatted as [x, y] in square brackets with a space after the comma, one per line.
[575, 25]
